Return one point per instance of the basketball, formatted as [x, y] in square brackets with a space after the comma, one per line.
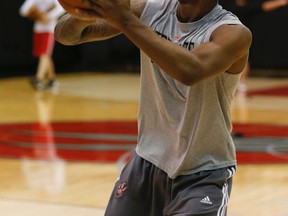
[66, 4]
[79, 8]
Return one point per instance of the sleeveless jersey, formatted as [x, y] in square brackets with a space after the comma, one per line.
[184, 129]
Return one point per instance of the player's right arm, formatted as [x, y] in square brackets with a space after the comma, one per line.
[71, 30]
[80, 26]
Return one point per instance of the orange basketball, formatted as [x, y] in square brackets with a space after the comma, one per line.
[67, 4]
[73, 6]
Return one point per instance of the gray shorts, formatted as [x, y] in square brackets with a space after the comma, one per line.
[145, 190]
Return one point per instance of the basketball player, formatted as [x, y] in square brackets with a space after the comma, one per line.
[45, 14]
[192, 54]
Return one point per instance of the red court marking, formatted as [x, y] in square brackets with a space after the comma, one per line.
[258, 130]
[278, 91]
[37, 141]
[260, 158]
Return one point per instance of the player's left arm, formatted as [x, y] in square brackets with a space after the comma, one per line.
[229, 44]
[227, 50]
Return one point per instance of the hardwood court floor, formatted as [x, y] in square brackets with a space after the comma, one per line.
[30, 187]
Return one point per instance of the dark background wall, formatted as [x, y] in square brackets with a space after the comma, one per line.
[270, 40]
[269, 49]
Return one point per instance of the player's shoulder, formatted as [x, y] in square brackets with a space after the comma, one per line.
[233, 32]
[236, 40]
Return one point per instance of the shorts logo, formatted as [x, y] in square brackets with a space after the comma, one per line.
[121, 188]
[206, 200]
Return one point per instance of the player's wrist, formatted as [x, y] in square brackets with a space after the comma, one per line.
[127, 21]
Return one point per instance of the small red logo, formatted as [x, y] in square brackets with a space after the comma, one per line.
[177, 37]
[121, 188]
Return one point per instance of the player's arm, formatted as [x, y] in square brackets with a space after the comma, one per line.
[227, 50]
[271, 5]
[229, 45]
[71, 30]
[81, 26]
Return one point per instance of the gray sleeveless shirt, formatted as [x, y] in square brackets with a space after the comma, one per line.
[185, 129]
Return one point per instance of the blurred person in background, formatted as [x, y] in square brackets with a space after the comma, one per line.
[44, 13]
[245, 10]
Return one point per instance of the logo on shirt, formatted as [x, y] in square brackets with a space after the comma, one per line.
[177, 37]
[189, 45]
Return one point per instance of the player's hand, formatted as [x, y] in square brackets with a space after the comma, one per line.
[116, 12]
[85, 12]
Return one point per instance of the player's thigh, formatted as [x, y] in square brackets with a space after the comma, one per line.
[202, 194]
[133, 192]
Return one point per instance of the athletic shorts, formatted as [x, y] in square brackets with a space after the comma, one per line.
[145, 190]
[43, 43]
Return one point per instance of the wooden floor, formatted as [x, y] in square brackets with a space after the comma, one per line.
[61, 188]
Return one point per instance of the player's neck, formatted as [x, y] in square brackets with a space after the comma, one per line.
[193, 10]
